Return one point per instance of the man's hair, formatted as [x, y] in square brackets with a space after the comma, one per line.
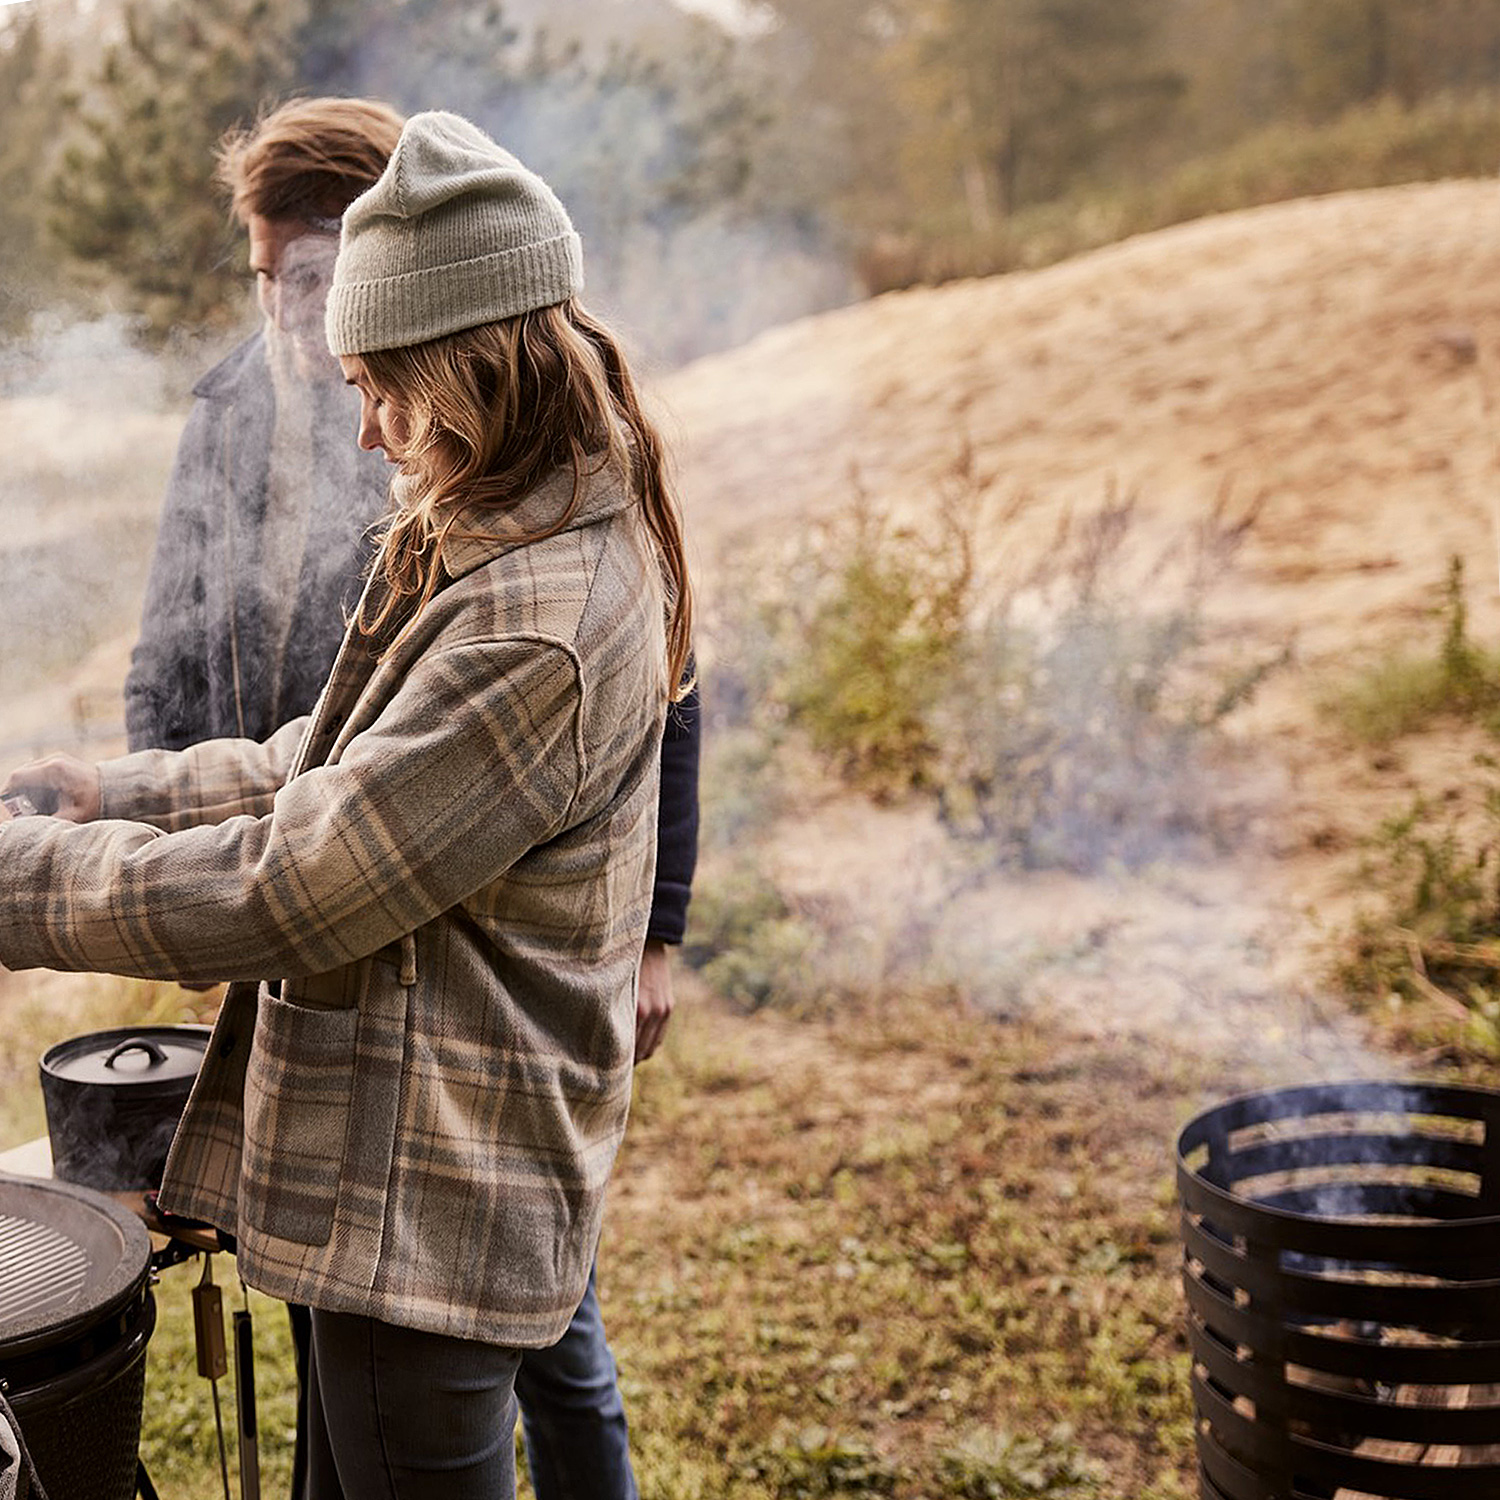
[308, 159]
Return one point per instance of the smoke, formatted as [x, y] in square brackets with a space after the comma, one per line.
[684, 255]
[93, 425]
[1200, 957]
[102, 1138]
[669, 159]
[1080, 840]
[713, 284]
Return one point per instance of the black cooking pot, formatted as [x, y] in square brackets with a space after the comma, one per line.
[113, 1101]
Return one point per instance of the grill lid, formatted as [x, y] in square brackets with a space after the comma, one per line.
[68, 1258]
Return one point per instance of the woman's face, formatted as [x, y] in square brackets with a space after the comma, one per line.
[383, 422]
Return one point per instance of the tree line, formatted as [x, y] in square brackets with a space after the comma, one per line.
[724, 178]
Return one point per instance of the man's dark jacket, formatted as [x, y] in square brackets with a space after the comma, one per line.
[205, 664]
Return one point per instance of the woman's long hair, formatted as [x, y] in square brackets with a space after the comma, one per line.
[490, 412]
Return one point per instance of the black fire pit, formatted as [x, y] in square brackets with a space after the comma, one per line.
[1342, 1269]
[76, 1313]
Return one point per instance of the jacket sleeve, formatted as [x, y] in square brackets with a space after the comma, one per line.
[206, 783]
[474, 761]
[167, 673]
[677, 820]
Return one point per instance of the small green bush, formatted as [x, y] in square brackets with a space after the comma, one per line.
[1002, 1467]
[748, 943]
[820, 1465]
[875, 638]
[1404, 693]
[1434, 931]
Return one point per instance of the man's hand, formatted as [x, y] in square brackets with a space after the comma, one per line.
[61, 785]
[653, 1005]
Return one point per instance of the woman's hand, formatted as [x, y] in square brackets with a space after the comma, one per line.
[61, 785]
[654, 999]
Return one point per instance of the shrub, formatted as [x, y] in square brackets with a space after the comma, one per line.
[1378, 144]
[1055, 719]
[876, 630]
[747, 942]
[1002, 1467]
[1061, 716]
[1403, 693]
[1434, 932]
[818, 1464]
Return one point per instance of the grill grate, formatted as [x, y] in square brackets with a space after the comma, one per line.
[42, 1270]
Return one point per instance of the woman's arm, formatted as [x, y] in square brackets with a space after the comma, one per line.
[475, 760]
[167, 789]
[205, 783]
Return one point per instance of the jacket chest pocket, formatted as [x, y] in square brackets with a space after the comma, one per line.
[298, 1091]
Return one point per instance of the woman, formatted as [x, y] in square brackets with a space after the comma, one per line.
[448, 864]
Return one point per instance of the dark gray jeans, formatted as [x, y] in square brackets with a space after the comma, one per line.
[395, 1414]
[577, 1442]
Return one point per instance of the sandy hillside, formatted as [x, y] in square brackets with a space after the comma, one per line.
[1316, 352]
[1331, 358]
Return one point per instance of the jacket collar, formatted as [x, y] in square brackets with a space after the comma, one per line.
[223, 381]
[603, 494]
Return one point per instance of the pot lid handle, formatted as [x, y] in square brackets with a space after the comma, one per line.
[138, 1044]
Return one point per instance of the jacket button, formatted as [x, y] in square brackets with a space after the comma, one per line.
[226, 1044]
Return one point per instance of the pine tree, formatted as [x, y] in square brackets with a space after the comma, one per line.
[134, 201]
[1344, 52]
[1039, 97]
[33, 80]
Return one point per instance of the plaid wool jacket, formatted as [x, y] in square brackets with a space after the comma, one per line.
[449, 866]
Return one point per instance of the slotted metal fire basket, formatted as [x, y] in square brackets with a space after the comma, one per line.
[1342, 1271]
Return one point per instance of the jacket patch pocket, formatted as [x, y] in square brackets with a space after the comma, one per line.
[297, 1104]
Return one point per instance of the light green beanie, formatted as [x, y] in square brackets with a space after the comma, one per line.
[455, 233]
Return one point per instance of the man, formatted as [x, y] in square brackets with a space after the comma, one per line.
[265, 534]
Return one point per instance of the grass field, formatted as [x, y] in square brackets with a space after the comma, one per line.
[909, 1251]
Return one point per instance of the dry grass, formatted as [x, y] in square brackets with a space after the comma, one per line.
[908, 1251]
[889, 1252]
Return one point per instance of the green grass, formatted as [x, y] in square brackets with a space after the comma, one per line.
[907, 1252]
[178, 1441]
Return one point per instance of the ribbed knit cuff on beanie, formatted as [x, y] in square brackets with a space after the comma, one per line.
[455, 234]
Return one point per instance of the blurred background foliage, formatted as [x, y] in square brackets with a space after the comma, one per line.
[734, 170]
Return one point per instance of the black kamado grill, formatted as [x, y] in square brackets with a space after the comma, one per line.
[1342, 1269]
[76, 1312]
